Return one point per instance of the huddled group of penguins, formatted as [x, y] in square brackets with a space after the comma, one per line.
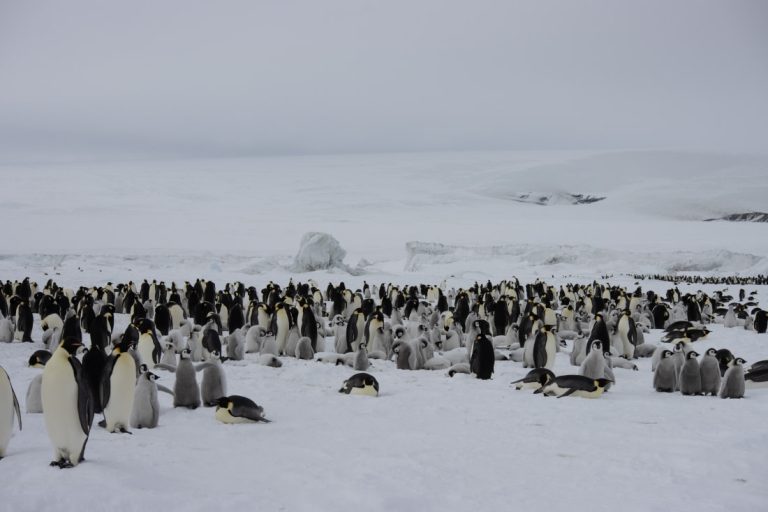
[759, 279]
[418, 327]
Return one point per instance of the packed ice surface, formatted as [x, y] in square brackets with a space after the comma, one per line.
[428, 441]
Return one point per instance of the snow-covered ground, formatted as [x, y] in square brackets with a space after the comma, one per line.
[428, 441]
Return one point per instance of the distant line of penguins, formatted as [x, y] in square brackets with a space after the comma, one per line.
[419, 327]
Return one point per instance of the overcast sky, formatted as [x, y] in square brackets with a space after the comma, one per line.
[204, 78]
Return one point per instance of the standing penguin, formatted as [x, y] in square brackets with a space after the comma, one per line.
[594, 364]
[214, 384]
[761, 321]
[709, 369]
[544, 349]
[665, 376]
[186, 392]
[117, 388]
[733, 380]
[690, 375]
[281, 326]
[9, 407]
[627, 331]
[148, 346]
[599, 332]
[67, 405]
[146, 407]
[483, 357]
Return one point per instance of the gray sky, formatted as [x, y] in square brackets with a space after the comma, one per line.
[202, 78]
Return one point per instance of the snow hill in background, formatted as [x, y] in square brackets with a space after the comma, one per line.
[243, 217]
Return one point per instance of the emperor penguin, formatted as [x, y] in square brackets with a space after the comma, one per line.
[361, 384]
[146, 407]
[535, 379]
[214, 383]
[148, 346]
[239, 409]
[709, 368]
[574, 385]
[544, 349]
[733, 384]
[482, 357]
[186, 392]
[9, 407]
[67, 408]
[599, 332]
[117, 388]
[665, 376]
[594, 364]
[304, 349]
[627, 332]
[282, 322]
[690, 375]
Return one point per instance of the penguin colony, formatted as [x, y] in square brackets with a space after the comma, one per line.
[181, 329]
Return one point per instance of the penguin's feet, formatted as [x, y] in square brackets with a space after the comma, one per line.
[103, 423]
[124, 430]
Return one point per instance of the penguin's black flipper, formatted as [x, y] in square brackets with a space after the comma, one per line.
[84, 403]
[164, 366]
[164, 389]
[569, 392]
[15, 404]
[540, 350]
[105, 380]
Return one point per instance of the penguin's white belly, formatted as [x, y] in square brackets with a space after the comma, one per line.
[222, 414]
[177, 316]
[62, 420]
[145, 349]
[282, 332]
[364, 391]
[588, 394]
[551, 349]
[34, 400]
[7, 412]
[122, 385]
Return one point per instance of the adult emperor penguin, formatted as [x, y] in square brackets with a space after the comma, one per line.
[239, 409]
[733, 384]
[361, 384]
[709, 368]
[627, 332]
[282, 321]
[9, 407]
[599, 332]
[761, 321]
[67, 405]
[483, 357]
[535, 379]
[117, 388]
[544, 349]
[690, 375]
[148, 347]
[574, 385]
[665, 376]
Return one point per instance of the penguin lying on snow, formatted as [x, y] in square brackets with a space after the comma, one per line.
[239, 409]
[574, 385]
[361, 384]
[535, 379]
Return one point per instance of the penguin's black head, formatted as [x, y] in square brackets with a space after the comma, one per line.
[739, 361]
[124, 345]
[692, 355]
[601, 383]
[712, 352]
[71, 345]
[666, 353]
[151, 376]
[143, 368]
[223, 402]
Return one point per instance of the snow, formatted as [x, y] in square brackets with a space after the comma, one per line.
[428, 441]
